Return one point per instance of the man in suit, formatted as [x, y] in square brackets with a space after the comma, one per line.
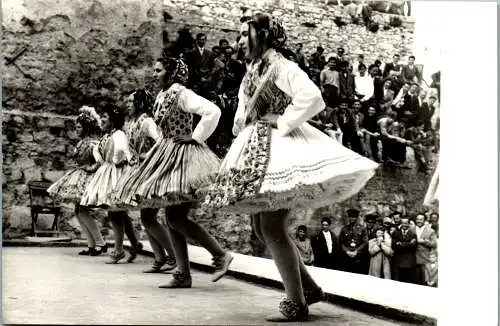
[324, 246]
[426, 243]
[200, 62]
[404, 243]
[346, 82]
[424, 113]
[387, 97]
[353, 243]
[394, 65]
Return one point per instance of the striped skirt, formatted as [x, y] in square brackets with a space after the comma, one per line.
[102, 184]
[170, 175]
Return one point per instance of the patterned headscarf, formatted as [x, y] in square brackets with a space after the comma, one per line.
[181, 71]
[276, 30]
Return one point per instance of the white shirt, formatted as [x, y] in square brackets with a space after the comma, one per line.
[419, 231]
[307, 100]
[365, 86]
[328, 238]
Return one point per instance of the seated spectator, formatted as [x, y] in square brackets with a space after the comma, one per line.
[404, 243]
[380, 253]
[304, 245]
[371, 134]
[387, 99]
[391, 152]
[421, 144]
[324, 246]
[410, 72]
[431, 271]
[347, 122]
[364, 85]
[346, 82]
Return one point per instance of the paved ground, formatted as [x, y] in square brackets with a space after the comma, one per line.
[56, 286]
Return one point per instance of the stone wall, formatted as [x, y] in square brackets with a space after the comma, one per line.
[60, 55]
[75, 52]
[221, 19]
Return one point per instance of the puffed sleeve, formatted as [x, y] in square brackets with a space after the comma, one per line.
[239, 117]
[150, 129]
[121, 151]
[307, 100]
[210, 113]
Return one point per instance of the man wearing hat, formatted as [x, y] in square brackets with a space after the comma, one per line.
[371, 224]
[353, 241]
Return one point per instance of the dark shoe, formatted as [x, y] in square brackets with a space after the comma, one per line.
[221, 264]
[115, 257]
[179, 281]
[133, 252]
[96, 251]
[291, 311]
[85, 252]
[159, 267]
[314, 296]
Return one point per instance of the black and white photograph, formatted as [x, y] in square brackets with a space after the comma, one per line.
[246, 162]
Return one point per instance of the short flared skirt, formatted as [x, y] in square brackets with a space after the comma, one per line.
[103, 183]
[432, 194]
[71, 186]
[264, 171]
[170, 175]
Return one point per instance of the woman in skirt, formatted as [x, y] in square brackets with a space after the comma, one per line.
[72, 185]
[432, 195]
[142, 133]
[279, 162]
[177, 165]
[113, 155]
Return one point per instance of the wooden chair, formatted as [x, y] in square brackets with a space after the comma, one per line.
[42, 203]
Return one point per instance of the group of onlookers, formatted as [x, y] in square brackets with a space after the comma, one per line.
[393, 247]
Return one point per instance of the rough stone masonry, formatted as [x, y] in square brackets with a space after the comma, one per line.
[62, 54]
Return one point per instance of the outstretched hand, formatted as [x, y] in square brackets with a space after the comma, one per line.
[184, 140]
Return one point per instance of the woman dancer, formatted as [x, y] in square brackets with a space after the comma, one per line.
[432, 194]
[142, 133]
[71, 186]
[278, 161]
[113, 154]
[177, 165]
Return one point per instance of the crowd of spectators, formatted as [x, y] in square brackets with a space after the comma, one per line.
[394, 247]
[377, 110]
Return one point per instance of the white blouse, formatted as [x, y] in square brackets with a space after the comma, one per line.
[307, 100]
[210, 113]
[150, 129]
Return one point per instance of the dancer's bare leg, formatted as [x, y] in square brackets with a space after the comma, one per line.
[273, 229]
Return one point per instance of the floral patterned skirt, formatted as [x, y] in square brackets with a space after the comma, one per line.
[264, 171]
[71, 186]
[170, 175]
[102, 184]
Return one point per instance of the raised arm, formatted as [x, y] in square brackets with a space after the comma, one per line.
[210, 114]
